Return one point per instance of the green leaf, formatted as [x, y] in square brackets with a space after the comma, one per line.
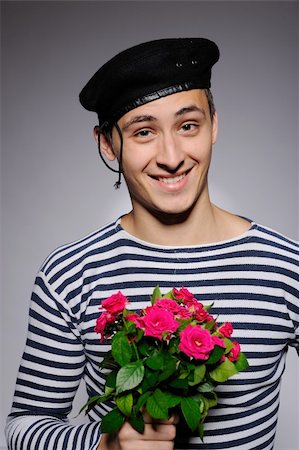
[228, 345]
[129, 377]
[149, 380]
[138, 335]
[171, 400]
[169, 295]
[130, 327]
[224, 371]
[125, 403]
[184, 324]
[156, 294]
[167, 358]
[173, 346]
[163, 362]
[210, 325]
[108, 362]
[241, 363]
[210, 399]
[191, 366]
[206, 387]
[215, 355]
[179, 384]
[207, 307]
[169, 368]
[156, 406]
[121, 349]
[112, 422]
[200, 400]
[93, 401]
[145, 348]
[201, 431]
[137, 422]
[198, 375]
[111, 380]
[156, 361]
[184, 373]
[109, 391]
[191, 412]
[142, 401]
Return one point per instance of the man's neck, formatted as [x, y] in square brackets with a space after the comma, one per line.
[198, 227]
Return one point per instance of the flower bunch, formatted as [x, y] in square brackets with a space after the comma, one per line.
[167, 358]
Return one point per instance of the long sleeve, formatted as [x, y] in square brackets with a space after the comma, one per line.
[49, 375]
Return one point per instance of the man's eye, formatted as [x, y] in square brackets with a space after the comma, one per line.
[142, 133]
[189, 126]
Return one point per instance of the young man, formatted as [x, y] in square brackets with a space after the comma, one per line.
[157, 118]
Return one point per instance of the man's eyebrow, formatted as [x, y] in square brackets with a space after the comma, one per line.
[190, 108]
[149, 118]
[138, 119]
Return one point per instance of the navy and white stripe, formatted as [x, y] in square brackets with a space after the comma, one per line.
[253, 282]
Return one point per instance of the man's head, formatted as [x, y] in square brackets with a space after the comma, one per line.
[145, 73]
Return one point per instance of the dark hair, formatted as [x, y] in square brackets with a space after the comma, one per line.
[210, 102]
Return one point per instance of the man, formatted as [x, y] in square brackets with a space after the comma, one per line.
[157, 119]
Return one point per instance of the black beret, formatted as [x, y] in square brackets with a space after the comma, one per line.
[146, 72]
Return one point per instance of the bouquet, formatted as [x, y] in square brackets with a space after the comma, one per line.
[165, 359]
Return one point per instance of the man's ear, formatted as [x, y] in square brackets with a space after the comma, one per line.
[214, 127]
[104, 145]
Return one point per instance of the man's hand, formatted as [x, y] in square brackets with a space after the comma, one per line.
[157, 435]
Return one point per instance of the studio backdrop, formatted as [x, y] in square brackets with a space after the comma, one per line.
[55, 188]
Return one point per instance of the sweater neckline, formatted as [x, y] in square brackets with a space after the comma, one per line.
[227, 242]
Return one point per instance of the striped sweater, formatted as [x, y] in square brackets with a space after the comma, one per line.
[252, 281]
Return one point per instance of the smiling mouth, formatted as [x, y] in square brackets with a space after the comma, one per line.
[172, 180]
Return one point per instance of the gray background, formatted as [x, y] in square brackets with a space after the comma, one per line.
[54, 188]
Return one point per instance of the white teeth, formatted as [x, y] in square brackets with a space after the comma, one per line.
[172, 180]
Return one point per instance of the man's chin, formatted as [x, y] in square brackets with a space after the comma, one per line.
[172, 217]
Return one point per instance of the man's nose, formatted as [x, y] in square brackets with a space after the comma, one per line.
[169, 154]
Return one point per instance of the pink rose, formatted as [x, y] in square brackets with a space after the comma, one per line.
[183, 313]
[168, 304]
[102, 323]
[235, 351]
[185, 295]
[226, 329]
[136, 319]
[158, 321]
[115, 303]
[210, 319]
[218, 341]
[201, 315]
[196, 342]
[172, 306]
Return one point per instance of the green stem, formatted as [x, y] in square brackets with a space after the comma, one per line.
[132, 342]
[136, 351]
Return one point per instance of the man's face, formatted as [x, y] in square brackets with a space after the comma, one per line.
[167, 147]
